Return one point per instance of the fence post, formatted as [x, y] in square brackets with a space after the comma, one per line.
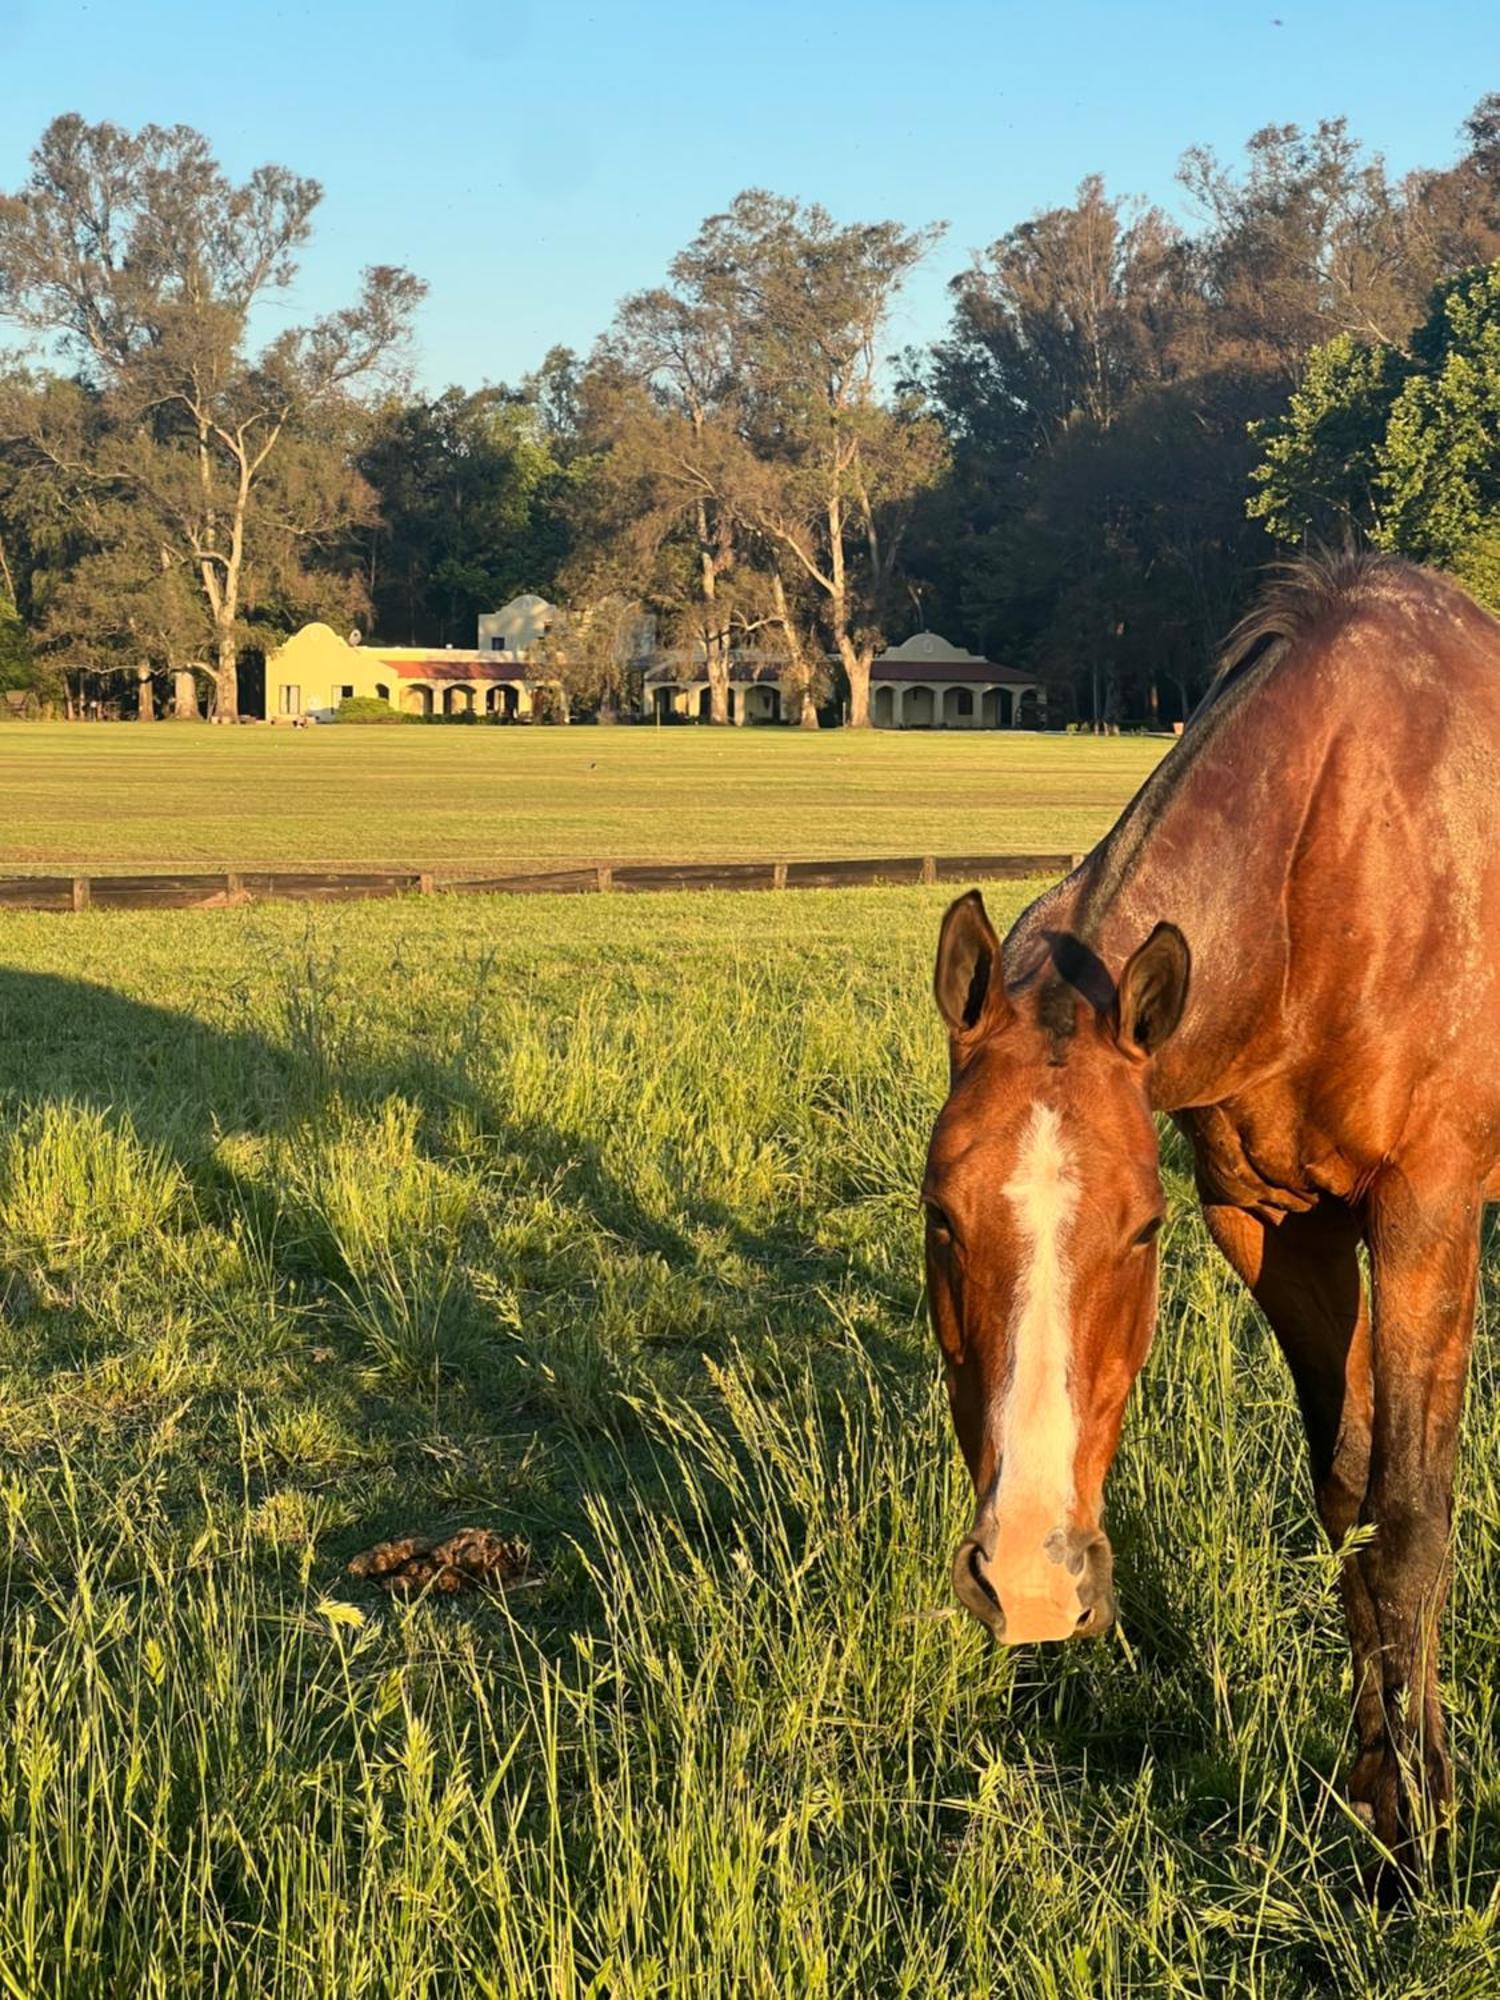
[606, 879]
[80, 892]
[778, 876]
[425, 882]
[929, 868]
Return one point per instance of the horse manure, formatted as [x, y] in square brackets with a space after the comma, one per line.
[472, 1559]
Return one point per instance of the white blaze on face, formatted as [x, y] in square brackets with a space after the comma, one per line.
[1037, 1428]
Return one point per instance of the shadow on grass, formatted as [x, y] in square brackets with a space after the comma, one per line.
[188, 1092]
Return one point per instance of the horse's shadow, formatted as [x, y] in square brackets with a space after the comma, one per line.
[192, 1090]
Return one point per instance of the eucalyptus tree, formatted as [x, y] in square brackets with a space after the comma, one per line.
[832, 464]
[662, 405]
[138, 259]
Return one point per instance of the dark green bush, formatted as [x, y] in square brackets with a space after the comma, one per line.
[367, 708]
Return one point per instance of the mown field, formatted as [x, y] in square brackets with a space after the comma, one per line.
[593, 1221]
[468, 800]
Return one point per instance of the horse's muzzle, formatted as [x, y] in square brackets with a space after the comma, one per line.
[1061, 1589]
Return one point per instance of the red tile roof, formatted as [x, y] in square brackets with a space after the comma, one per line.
[458, 667]
[974, 673]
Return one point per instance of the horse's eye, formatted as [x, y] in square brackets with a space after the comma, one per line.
[940, 1228]
[1150, 1233]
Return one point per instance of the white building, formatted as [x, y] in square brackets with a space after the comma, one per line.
[927, 683]
[518, 626]
[924, 683]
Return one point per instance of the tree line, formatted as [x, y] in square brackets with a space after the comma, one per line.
[1128, 414]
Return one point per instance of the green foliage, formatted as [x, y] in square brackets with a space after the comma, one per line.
[317, 1225]
[367, 708]
[18, 667]
[210, 483]
[1440, 456]
[1404, 446]
[1321, 469]
[473, 492]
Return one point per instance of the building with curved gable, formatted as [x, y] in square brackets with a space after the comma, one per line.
[928, 683]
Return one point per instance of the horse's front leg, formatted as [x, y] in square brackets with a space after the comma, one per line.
[1424, 1256]
[1305, 1276]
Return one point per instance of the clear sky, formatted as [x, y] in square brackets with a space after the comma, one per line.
[534, 160]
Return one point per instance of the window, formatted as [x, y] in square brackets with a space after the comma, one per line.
[499, 645]
[965, 702]
[382, 693]
[291, 700]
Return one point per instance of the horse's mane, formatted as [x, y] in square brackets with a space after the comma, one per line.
[1300, 595]
[1298, 598]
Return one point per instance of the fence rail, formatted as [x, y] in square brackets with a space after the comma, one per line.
[221, 891]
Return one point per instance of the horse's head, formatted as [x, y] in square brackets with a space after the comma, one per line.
[1043, 1202]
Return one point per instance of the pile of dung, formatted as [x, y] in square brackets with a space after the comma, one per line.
[471, 1559]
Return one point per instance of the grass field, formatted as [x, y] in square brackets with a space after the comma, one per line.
[123, 796]
[593, 1221]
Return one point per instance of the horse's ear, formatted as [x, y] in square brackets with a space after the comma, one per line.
[967, 976]
[1152, 992]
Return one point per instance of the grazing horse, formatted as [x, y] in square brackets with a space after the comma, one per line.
[1288, 943]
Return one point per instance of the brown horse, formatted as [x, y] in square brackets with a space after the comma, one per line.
[1289, 942]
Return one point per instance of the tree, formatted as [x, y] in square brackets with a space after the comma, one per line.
[18, 663]
[1320, 470]
[472, 490]
[1061, 321]
[145, 263]
[1309, 241]
[1089, 527]
[1404, 443]
[595, 655]
[662, 409]
[1111, 379]
[832, 468]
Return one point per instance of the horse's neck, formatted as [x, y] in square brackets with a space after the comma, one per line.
[1178, 856]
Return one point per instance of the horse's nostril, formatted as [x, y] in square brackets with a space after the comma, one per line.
[1083, 1619]
[980, 1578]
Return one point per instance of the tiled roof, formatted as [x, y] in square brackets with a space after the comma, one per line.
[693, 673]
[970, 672]
[447, 666]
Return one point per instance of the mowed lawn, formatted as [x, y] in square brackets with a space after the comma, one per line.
[593, 1220]
[467, 800]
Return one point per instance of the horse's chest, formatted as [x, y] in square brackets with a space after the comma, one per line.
[1264, 1157]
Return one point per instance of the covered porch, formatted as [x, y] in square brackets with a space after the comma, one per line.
[928, 683]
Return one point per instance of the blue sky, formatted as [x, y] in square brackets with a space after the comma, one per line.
[534, 162]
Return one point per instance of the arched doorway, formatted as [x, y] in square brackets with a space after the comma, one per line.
[883, 713]
[917, 711]
[501, 701]
[417, 700]
[458, 701]
[958, 708]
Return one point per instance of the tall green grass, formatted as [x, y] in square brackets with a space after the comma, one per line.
[595, 1222]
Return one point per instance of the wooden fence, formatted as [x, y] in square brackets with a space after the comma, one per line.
[207, 892]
